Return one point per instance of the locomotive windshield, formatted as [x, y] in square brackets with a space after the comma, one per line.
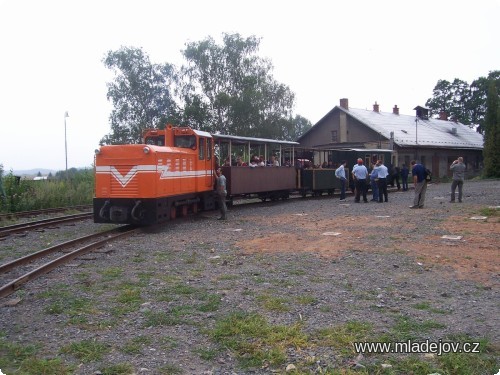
[155, 140]
[185, 141]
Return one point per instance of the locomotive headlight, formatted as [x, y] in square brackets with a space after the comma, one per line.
[146, 150]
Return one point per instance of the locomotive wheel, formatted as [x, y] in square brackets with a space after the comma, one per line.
[195, 208]
[184, 211]
[173, 212]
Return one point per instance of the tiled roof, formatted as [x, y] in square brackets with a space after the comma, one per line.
[430, 133]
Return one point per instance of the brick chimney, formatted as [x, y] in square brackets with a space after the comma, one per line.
[375, 107]
[443, 116]
[395, 110]
[344, 103]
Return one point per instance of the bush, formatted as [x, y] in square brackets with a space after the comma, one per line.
[27, 195]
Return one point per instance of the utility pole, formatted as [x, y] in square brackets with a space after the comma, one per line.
[416, 138]
[65, 142]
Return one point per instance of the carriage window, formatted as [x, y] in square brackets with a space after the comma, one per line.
[201, 149]
[185, 141]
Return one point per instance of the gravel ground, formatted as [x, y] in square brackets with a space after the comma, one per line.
[158, 301]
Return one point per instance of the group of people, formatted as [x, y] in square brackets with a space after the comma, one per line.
[255, 161]
[377, 178]
[420, 181]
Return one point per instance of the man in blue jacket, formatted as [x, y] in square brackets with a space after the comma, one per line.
[418, 173]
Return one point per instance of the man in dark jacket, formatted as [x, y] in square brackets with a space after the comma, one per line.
[418, 173]
[404, 177]
[458, 168]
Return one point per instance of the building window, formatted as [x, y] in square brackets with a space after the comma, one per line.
[334, 136]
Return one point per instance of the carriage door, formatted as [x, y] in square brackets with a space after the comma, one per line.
[204, 164]
[209, 181]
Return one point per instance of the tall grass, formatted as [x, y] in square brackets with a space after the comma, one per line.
[26, 195]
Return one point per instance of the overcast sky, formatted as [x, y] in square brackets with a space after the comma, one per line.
[392, 52]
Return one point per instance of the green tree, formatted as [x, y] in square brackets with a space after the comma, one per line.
[141, 93]
[2, 191]
[229, 89]
[296, 127]
[452, 98]
[479, 94]
[491, 151]
[466, 103]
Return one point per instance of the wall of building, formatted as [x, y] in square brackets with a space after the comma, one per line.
[439, 160]
[321, 133]
[338, 128]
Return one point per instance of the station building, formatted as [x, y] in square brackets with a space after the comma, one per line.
[433, 142]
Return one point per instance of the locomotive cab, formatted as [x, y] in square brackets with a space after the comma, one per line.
[169, 174]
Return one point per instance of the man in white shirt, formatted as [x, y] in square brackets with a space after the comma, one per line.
[360, 174]
[340, 174]
[382, 173]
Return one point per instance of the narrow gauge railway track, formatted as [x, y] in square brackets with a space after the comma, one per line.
[15, 268]
[16, 215]
[21, 227]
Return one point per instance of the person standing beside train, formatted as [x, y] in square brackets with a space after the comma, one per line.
[404, 177]
[418, 173]
[360, 174]
[382, 172]
[374, 183]
[458, 169]
[396, 173]
[220, 189]
[340, 174]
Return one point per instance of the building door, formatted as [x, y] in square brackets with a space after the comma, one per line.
[435, 166]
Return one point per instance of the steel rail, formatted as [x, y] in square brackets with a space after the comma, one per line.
[12, 215]
[49, 250]
[5, 231]
[12, 286]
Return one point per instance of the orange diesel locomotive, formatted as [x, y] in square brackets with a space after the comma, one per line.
[170, 174]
